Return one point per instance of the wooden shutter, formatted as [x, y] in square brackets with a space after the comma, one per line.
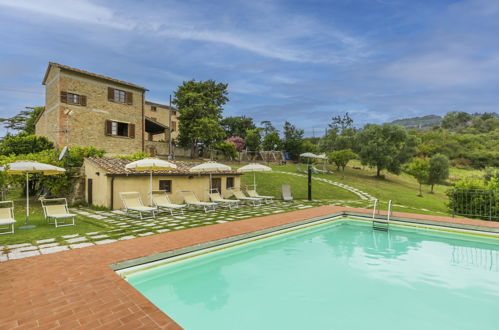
[110, 94]
[83, 100]
[108, 128]
[131, 131]
[174, 125]
[64, 97]
[129, 98]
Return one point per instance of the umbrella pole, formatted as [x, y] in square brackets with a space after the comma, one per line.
[150, 188]
[27, 198]
[210, 184]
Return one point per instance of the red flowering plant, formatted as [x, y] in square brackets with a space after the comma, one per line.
[237, 141]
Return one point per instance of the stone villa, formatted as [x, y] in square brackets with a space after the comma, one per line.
[88, 109]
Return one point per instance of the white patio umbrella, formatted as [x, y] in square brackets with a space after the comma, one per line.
[254, 167]
[151, 165]
[27, 167]
[308, 155]
[210, 167]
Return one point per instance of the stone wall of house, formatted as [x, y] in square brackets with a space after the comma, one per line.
[86, 124]
[49, 123]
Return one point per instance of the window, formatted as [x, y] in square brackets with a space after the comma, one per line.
[165, 185]
[174, 113]
[117, 95]
[116, 128]
[230, 182]
[153, 108]
[71, 98]
[174, 125]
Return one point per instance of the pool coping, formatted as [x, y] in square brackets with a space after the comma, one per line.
[79, 289]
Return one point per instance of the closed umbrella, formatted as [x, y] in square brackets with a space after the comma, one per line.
[254, 167]
[210, 167]
[151, 165]
[27, 167]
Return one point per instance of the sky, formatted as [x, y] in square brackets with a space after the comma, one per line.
[284, 60]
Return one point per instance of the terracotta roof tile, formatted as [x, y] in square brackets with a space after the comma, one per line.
[68, 68]
[116, 166]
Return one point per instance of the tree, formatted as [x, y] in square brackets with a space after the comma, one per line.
[253, 139]
[24, 121]
[341, 158]
[308, 146]
[292, 140]
[438, 170]
[268, 127]
[23, 144]
[386, 147]
[340, 123]
[456, 119]
[227, 149]
[237, 126]
[200, 106]
[272, 141]
[419, 169]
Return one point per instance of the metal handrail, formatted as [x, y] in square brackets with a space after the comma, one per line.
[374, 209]
[389, 210]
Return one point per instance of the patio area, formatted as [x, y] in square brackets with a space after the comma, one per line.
[117, 226]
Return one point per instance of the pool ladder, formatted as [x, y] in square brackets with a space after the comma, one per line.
[381, 224]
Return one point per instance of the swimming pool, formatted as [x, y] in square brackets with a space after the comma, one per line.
[336, 275]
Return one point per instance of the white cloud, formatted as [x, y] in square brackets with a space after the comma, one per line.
[75, 10]
[269, 30]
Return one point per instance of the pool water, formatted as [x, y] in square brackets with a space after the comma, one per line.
[340, 275]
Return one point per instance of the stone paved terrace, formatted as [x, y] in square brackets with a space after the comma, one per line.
[78, 289]
[119, 226]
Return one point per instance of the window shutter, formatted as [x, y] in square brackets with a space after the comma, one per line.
[131, 131]
[83, 100]
[64, 97]
[108, 128]
[129, 98]
[110, 94]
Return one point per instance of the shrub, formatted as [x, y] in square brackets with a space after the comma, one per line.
[237, 141]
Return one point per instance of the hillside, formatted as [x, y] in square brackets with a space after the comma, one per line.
[424, 122]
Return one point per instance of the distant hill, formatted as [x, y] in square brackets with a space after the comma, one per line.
[424, 122]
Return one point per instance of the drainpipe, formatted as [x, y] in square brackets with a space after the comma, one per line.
[143, 120]
[112, 193]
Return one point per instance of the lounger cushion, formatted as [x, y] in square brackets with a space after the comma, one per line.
[63, 215]
[142, 208]
[171, 206]
[203, 204]
[7, 221]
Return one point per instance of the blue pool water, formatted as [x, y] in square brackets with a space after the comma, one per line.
[334, 276]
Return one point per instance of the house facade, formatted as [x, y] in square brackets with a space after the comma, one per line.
[107, 177]
[88, 109]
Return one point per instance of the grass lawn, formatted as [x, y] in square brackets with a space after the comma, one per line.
[401, 189]
[269, 183]
[43, 230]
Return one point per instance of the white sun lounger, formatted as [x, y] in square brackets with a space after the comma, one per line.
[57, 210]
[133, 203]
[253, 193]
[191, 199]
[238, 194]
[161, 201]
[217, 198]
[286, 193]
[7, 216]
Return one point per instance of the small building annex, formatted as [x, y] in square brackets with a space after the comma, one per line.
[105, 178]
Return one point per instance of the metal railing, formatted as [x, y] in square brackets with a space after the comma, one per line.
[475, 203]
[381, 224]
